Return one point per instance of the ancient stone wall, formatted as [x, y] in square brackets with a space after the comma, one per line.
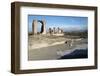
[35, 25]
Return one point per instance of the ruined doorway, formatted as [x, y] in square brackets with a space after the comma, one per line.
[40, 27]
[38, 23]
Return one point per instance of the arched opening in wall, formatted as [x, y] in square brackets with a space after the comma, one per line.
[40, 27]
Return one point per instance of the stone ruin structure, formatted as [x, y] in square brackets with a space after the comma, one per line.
[55, 30]
[51, 31]
[35, 25]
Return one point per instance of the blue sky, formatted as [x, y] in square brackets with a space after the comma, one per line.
[67, 23]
